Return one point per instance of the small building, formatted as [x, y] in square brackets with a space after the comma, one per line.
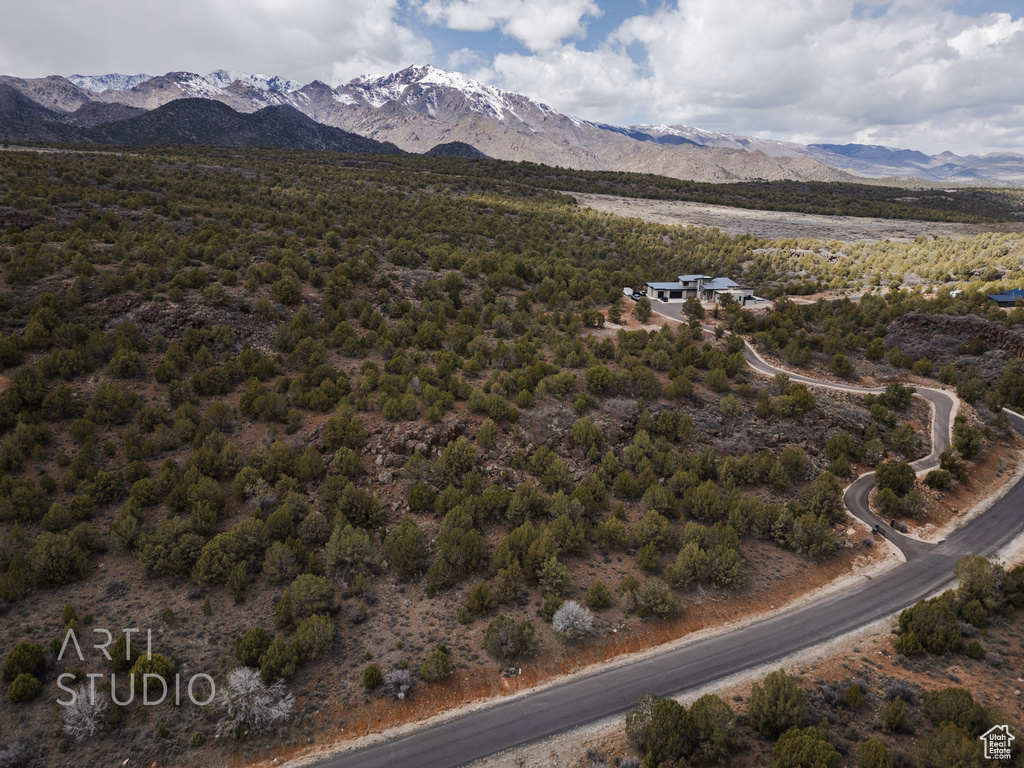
[702, 288]
[1008, 298]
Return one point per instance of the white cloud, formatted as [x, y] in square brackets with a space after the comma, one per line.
[977, 40]
[911, 72]
[540, 25]
[465, 60]
[299, 39]
[601, 85]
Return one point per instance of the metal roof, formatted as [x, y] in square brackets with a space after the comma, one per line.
[665, 286]
[691, 278]
[720, 284]
[1008, 297]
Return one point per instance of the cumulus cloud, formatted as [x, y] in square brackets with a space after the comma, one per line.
[910, 72]
[540, 25]
[602, 85]
[299, 39]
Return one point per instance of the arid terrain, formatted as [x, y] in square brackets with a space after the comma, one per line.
[782, 224]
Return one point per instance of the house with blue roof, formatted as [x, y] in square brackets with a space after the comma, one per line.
[700, 287]
[1008, 298]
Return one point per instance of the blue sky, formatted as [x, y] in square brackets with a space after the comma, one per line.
[921, 74]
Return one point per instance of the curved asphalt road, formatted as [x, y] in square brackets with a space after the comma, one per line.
[590, 697]
[856, 495]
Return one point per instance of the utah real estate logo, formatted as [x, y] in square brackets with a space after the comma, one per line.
[997, 742]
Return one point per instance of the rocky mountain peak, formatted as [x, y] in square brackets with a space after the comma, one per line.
[378, 90]
[222, 78]
[110, 82]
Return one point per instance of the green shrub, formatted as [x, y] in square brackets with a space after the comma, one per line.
[975, 614]
[22, 659]
[58, 558]
[480, 599]
[974, 650]
[598, 596]
[23, 688]
[652, 598]
[437, 667]
[280, 564]
[776, 705]
[123, 654]
[555, 579]
[853, 697]
[638, 722]
[929, 625]
[372, 677]
[805, 748]
[939, 479]
[279, 662]
[896, 716]
[244, 545]
[306, 596]
[714, 727]
[669, 737]
[505, 640]
[158, 665]
[250, 647]
[897, 476]
[648, 557]
[314, 637]
[956, 706]
[405, 549]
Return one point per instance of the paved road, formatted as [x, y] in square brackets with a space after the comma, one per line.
[591, 697]
[942, 403]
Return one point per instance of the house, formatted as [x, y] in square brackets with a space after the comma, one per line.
[667, 292]
[691, 284]
[711, 290]
[998, 741]
[701, 287]
[1008, 298]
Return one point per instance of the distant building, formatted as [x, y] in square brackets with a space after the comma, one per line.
[1008, 298]
[703, 288]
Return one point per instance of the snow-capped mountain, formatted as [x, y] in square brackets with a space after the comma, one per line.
[378, 90]
[222, 78]
[111, 82]
[422, 106]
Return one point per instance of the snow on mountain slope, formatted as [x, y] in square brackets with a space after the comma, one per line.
[222, 78]
[378, 90]
[770, 147]
[112, 82]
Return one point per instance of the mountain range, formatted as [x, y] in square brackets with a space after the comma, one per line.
[422, 107]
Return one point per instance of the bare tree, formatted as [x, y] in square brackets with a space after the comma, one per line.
[398, 682]
[573, 620]
[250, 704]
[83, 716]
